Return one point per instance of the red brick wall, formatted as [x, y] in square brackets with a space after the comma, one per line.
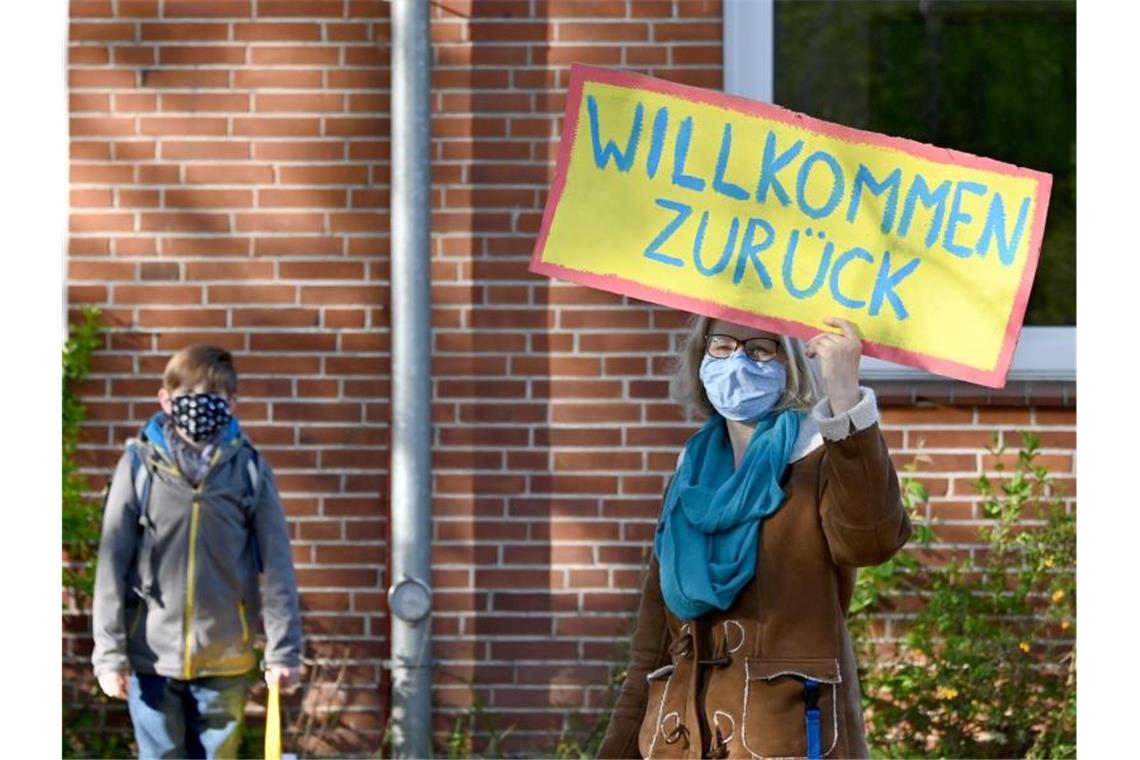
[230, 183]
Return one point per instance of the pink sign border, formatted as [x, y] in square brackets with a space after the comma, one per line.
[580, 75]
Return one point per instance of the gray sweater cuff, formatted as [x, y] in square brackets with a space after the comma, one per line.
[862, 416]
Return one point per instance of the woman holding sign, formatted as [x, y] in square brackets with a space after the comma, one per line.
[741, 647]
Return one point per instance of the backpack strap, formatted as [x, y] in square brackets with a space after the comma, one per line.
[141, 479]
[252, 477]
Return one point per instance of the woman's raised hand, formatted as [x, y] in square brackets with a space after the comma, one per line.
[839, 361]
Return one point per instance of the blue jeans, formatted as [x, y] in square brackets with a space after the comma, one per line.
[201, 718]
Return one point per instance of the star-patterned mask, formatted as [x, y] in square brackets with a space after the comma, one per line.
[200, 415]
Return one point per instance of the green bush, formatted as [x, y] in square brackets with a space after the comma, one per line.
[84, 734]
[987, 666]
[81, 514]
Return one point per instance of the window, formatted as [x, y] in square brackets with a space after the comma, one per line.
[993, 78]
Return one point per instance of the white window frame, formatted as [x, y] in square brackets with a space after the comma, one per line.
[1043, 354]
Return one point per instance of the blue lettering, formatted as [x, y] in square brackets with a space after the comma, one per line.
[602, 155]
[957, 215]
[885, 284]
[749, 251]
[864, 178]
[660, 122]
[820, 274]
[920, 191]
[844, 259]
[995, 230]
[719, 184]
[836, 186]
[771, 165]
[681, 154]
[653, 250]
[725, 256]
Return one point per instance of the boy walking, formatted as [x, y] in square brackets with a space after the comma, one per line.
[192, 518]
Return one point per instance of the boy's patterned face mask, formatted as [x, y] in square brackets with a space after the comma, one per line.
[200, 415]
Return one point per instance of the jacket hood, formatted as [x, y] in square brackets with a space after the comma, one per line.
[152, 432]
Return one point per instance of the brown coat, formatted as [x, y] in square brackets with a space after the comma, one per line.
[842, 511]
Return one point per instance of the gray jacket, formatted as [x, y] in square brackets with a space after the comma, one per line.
[176, 585]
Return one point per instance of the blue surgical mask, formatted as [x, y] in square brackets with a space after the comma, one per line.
[743, 389]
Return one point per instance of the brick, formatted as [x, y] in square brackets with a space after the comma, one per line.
[709, 78]
[336, 577]
[192, 125]
[317, 102]
[105, 222]
[598, 460]
[603, 32]
[100, 270]
[292, 32]
[87, 54]
[176, 246]
[300, 8]
[276, 126]
[185, 78]
[357, 79]
[137, 102]
[276, 317]
[139, 199]
[205, 102]
[950, 439]
[584, 8]
[89, 101]
[564, 55]
[276, 78]
[167, 174]
[236, 150]
[92, 31]
[88, 246]
[280, 222]
[101, 78]
[247, 294]
[332, 174]
[135, 55]
[308, 198]
[136, 246]
[105, 125]
[209, 198]
[195, 317]
[185, 222]
[294, 56]
[228, 174]
[299, 150]
[1056, 416]
[296, 245]
[186, 55]
[321, 270]
[356, 127]
[91, 150]
[89, 198]
[229, 270]
[158, 294]
[175, 341]
[184, 31]
[930, 415]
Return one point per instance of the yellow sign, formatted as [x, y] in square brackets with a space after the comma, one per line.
[745, 211]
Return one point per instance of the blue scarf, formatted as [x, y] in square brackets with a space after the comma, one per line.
[709, 531]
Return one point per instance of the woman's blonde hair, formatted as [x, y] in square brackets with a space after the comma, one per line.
[687, 389]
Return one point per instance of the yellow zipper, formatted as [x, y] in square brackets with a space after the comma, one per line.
[188, 612]
[244, 624]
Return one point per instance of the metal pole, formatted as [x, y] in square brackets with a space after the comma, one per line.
[409, 594]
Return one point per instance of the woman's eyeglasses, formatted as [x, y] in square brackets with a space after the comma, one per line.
[758, 349]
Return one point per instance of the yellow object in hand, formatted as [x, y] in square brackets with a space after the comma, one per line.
[273, 723]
